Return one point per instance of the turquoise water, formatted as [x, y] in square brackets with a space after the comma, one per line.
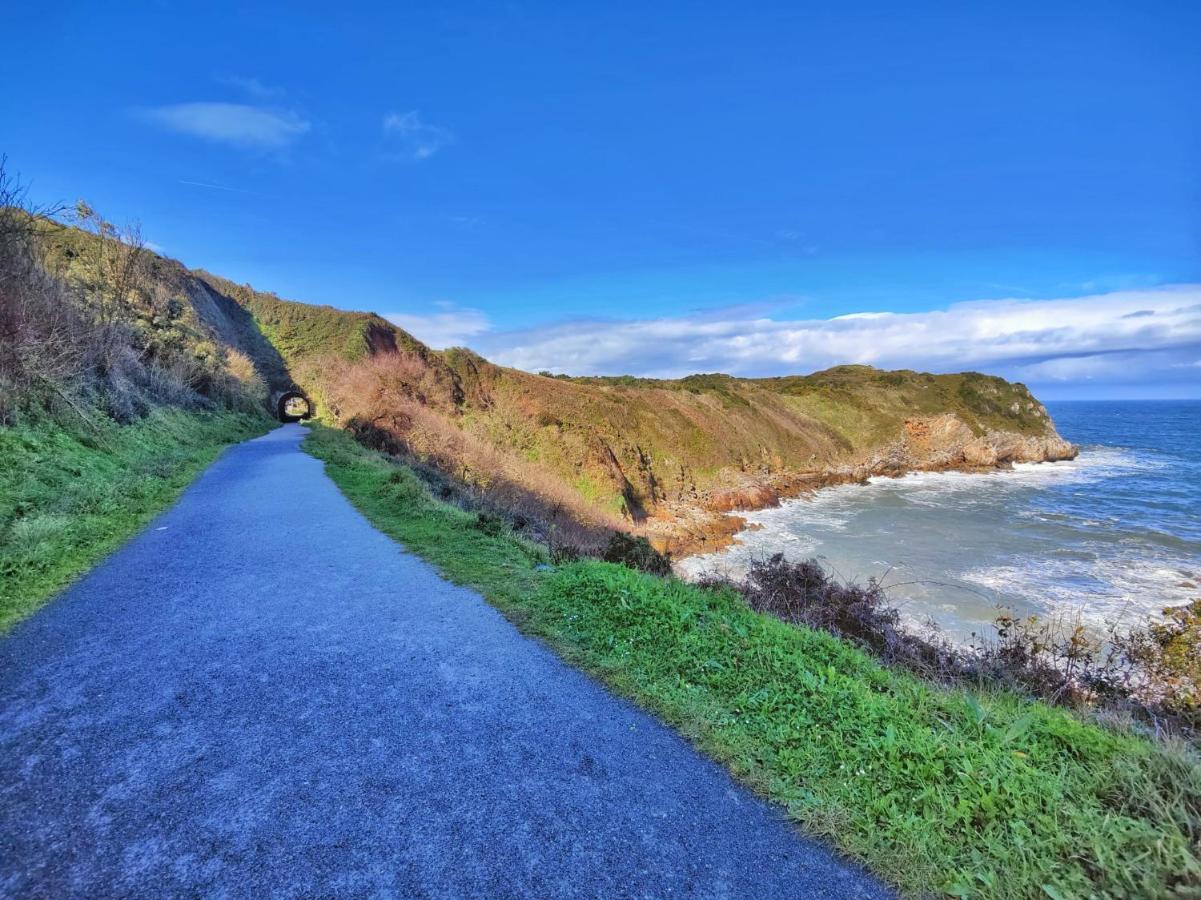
[1112, 535]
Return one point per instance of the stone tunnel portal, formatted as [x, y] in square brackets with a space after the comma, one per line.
[292, 406]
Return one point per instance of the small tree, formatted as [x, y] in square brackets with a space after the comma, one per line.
[117, 261]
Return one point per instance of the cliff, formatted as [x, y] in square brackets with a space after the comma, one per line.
[669, 458]
[581, 456]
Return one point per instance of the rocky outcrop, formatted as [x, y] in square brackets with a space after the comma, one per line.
[946, 442]
[704, 524]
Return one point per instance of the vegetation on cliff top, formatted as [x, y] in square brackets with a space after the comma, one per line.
[624, 448]
[964, 792]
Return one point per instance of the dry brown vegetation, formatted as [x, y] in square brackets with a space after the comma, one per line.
[398, 403]
[90, 327]
[611, 452]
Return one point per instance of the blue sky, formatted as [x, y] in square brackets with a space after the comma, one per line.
[552, 185]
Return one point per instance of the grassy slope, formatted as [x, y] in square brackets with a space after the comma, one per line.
[69, 498]
[684, 432]
[203, 322]
[986, 795]
[302, 331]
[621, 440]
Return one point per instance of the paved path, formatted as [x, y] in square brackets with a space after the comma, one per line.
[262, 694]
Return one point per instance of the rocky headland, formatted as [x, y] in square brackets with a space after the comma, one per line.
[709, 521]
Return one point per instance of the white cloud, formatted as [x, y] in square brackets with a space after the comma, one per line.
[1069, 340]
[238, 124]
[409, 138]
[450, 327]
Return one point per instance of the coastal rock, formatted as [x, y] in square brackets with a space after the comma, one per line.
[1049, 447]
[946, 442]
[703, 523]
[750, 496]
[979, 452]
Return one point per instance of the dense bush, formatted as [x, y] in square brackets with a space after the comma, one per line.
[636, 553]
[803, 594]
[489, 523]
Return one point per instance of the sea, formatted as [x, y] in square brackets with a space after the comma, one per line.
[1113, 536]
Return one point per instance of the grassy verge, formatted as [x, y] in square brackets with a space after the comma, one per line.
[934, 789]
[69, 498]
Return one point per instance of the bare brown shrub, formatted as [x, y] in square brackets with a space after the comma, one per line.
[803, 593]
[41, 346]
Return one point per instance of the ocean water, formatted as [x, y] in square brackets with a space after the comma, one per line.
[1114, 535]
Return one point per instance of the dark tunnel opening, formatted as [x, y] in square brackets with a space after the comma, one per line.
[293, 406]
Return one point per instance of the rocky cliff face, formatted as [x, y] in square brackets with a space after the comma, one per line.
[946, 442]
[925, 443]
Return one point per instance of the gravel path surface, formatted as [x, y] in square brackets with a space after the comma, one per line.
[263, 695]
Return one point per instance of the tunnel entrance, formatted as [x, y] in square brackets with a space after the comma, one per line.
[292, 406]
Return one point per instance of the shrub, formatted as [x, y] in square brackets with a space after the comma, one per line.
[1169, 654]
[562, 554]
[803, 594]
[489, 523]
[1153, 672]
[636, 553]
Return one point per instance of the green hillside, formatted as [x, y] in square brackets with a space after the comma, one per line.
[621, 451]
[579, 457]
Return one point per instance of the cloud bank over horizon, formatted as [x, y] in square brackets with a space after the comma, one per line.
[450, 326]
[1133, 340]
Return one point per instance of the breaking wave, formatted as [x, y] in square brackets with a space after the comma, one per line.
[1111, 535]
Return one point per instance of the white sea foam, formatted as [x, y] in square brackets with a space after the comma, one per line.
[955, 545]
[1115, 588]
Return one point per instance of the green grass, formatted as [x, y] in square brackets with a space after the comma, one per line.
[934, 789]
[300, 331]
[68, 498]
